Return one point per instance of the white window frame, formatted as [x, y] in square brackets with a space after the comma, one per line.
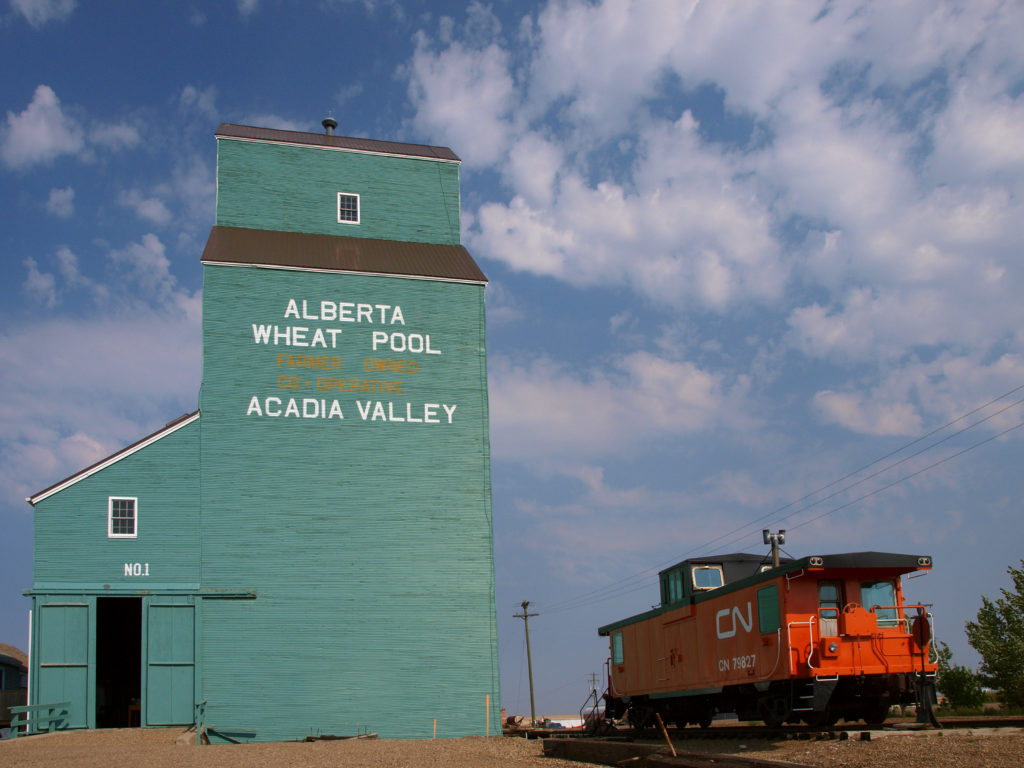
[358, 210]
[714, 568]
[110, 517]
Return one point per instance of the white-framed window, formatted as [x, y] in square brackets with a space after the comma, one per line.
[707, 577]
[348, 208]
[122, 517]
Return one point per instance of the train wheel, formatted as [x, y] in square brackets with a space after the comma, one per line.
[773, 711]
[821, 719]
[640, 719]
[876, 713]
[705, 720]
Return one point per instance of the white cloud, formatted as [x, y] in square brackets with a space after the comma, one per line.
[67, 267]
[145, 363]
[274, 121]
[43, 132]
[502, 308]
[149, 208]
[532, 169]
[876, 418]
[247, 7]
[543, 412]
[50, 287]
[923, 395]
[115, 136]
[203, 101]
[977, 138]
[194, 187]
[465, 96]
[113, 373]
[40, 133]
[603, 59]
[41, 285]
[61, 202]
[145, 264]
[692, 227]
[871, 218]
[39, 12]
[347, 93]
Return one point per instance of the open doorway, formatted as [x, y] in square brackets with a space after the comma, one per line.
[118, 661]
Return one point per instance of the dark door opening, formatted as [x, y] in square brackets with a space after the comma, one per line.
[118, 661]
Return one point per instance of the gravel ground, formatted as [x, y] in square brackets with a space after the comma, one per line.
[983, 748]
[163, 748]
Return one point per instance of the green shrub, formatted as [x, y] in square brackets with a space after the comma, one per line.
[962, 687]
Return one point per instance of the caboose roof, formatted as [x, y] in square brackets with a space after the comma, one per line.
[733, 564]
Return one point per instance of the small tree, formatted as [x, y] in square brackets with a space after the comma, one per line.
[961, 685]
[944, 656]
[998, 635]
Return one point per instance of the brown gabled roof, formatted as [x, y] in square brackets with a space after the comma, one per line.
[232, 131]
[14, 654]
[169, 427]
[294, 250]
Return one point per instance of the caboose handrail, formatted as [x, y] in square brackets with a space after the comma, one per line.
[810, 651]
[778, 654]
[789, 640]
[611, 681]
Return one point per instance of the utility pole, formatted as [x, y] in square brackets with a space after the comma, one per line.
[529, 663]
[776, 540]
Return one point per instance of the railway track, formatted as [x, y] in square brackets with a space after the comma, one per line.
[726, 741]
[843, 731]
[722, 730]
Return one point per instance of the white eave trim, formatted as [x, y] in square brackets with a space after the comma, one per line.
[171, 428]
[338, 149]
[345, 272]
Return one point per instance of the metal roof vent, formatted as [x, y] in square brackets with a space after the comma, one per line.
[329, 124]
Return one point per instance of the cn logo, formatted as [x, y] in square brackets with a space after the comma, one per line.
[729, 617]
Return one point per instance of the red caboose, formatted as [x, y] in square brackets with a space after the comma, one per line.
[815, 639]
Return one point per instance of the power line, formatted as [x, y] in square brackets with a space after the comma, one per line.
[881, 471]
[638, 580]
[912, 474]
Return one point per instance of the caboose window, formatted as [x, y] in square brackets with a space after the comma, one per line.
[707, 577]
[829, 603]
[617, 657]
[675, 587]
[879, 597]
[768, 609]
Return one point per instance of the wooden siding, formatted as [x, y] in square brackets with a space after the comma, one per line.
[72, 550]
[64, 661]
[294, 189]
[169, 672]
[368, 543]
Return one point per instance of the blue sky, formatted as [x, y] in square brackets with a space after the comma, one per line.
[737, 252]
